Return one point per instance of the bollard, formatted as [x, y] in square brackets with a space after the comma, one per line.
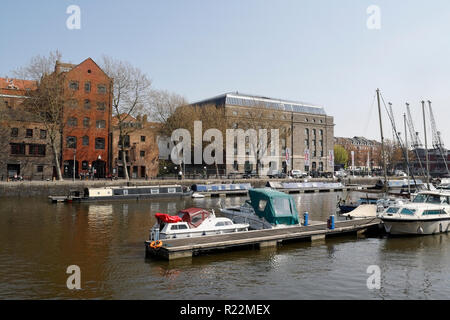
[330, 222]
[306, 218]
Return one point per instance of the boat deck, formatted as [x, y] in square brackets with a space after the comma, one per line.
[188, 247]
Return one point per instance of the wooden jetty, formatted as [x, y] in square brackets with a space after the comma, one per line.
[189, 247]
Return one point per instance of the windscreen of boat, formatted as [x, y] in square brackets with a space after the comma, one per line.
[408, 211]
[429, 198]
[392, 210]
[282, 207]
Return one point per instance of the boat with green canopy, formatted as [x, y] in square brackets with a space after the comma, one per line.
[266, 209]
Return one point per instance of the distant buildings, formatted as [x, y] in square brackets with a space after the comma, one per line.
[366, 152]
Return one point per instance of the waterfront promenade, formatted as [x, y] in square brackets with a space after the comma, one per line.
[46, 188]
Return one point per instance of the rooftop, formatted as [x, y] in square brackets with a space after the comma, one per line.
[247, 100]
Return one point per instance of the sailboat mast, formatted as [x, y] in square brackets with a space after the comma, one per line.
[382, 142]
[407, 154]
[426, 145]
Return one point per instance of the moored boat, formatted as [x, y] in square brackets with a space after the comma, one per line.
[192, 222]
[266, 209]
[123, 193]
[428, 213]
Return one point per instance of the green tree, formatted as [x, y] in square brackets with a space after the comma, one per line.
[340, 155]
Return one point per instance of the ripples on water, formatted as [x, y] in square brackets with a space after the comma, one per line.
[39, 240]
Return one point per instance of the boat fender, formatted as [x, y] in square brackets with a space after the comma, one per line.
[156, 244]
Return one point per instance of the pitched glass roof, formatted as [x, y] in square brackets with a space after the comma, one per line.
[255, 101]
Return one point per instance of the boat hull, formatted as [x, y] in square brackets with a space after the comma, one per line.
[255, 222]
[200, 233]
[416, 227]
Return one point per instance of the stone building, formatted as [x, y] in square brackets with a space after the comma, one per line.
[309, 148]
[86, 135]
[141, 148]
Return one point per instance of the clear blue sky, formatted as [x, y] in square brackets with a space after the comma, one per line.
[307, 50]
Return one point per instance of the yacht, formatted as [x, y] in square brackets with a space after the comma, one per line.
[192, 222]
[266, 209]
[428, 213]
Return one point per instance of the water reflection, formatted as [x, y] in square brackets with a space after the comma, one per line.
[38, 240]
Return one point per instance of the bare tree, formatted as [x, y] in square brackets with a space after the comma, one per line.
[38, 66]
[46, 103]
[131, 89]
[163, 104]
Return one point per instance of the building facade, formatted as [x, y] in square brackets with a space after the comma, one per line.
[86, 136]
[24, 142]
[367, 153]
[306, 132]
[140, 146]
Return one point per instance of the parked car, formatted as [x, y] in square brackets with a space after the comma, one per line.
[275, 174]
[250, 175]
[340, 174]
[298, 174]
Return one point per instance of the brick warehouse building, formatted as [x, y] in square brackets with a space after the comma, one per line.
[23, 139]
[311, 145]
[86, 137]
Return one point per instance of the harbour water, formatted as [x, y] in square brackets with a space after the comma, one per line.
[39, 240]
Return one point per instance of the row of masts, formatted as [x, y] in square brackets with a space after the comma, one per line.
[415, 140]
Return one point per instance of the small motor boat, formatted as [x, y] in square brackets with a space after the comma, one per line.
[196, 195]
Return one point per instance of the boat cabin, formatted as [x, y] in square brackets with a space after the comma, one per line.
[194, 216]
[274, 206]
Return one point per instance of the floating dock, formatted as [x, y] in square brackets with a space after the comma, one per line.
[189, 247]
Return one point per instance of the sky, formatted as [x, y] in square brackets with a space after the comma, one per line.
[315, 51]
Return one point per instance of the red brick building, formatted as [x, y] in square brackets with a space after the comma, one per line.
[86, 137]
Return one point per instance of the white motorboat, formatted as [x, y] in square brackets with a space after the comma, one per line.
[266, 209]
[428, 213]
[192, 222]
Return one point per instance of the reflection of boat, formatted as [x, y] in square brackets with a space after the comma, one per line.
[428, 213]
[266, 209]
[123, 193]
[196, 195]
[193, 222]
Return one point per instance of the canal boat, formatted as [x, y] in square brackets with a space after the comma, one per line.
[428, 213]
[266, 209]
[192, 222]
[123, 193]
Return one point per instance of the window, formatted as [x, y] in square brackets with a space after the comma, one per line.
[196, 219]
[155, 191]
[18, 148]
[84, 165]
[408, 211]
[101, 124]
[171, 190]
[99, 143]
[432, 212]
[142, 138]
[73, 85]
[72, 122]
[262, 205]
[142, 154]
[392, 210]
[101, 88]
[87, 87]
[73, 103]
[220, 224]
[86, 122]
[71, 142]
[43, 134]
[14, 132]
[282, 206]
[85, 141]
[87, 104]
[29, 133]
[182, 227]
[101, 106]
[36, 150]
[126, 140]
[39, 169]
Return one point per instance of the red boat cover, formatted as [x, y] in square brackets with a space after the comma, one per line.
[167, 218]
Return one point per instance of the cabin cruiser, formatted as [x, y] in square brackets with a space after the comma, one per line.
[266, 209]
[192, 222]
[428, 213]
